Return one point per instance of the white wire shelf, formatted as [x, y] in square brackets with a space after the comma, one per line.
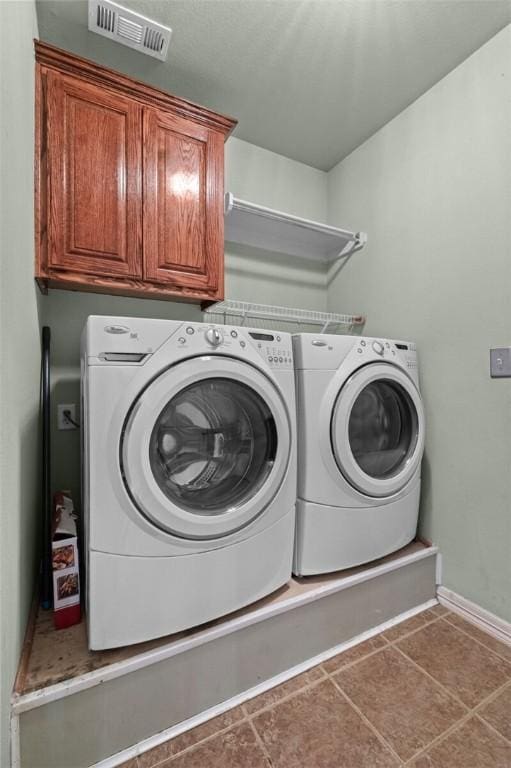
[231, 311]
[272, 230]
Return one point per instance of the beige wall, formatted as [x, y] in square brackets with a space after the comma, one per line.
[433, 190]
[19, 344]
[251, 275]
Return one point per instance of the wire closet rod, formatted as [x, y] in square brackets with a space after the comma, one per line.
[246, 309]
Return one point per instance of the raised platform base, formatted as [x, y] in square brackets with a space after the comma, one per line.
[101, 708]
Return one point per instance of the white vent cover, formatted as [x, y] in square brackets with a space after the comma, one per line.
[129, 28]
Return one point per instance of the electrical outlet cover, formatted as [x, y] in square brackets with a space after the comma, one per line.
[62, 420]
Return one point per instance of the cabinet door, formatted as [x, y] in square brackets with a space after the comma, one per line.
[183, 204]
[95, 177]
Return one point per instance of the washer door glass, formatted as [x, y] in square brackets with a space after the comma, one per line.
[205, 447]
[213, 446]
[382, 428]
[377, 429]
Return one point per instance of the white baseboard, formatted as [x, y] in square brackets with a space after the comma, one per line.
[438, 572]
[493, 625]
[15, 741]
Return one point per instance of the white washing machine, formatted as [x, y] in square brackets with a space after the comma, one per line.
[189, 473]
[360, 446]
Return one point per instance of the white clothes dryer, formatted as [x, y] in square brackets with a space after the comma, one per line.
[360, 446]
[189, 473]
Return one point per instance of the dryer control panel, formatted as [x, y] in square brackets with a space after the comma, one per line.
[322, 352]
[402, 352]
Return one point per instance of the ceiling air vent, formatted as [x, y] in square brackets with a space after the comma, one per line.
[129, 28]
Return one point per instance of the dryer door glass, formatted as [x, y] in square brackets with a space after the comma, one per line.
[382, 428]
[213, 446]
[377, 429]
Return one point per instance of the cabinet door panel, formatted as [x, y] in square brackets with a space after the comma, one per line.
[183, 193]
[95, 179]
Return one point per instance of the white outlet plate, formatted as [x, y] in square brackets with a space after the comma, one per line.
[62, 420]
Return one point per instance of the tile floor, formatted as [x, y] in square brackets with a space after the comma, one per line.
[432, 692]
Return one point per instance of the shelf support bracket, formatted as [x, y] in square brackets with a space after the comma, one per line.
[358, 242]
[228, 202]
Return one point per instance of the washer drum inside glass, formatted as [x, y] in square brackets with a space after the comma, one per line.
[213, 446]
[206, 446]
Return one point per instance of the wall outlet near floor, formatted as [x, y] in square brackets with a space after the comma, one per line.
[66, 415]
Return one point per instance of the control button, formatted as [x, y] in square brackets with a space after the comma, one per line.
[378, 348]
[213, 337]
[280, 360]
[278, 338]
[190, 330]
[359, 351]
[242, 344]
[182, 340]
[234, 334]
[270, 359]
[362, 343]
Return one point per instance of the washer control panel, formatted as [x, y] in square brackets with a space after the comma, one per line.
[274, 348]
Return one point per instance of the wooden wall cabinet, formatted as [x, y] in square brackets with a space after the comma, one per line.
[129, 185]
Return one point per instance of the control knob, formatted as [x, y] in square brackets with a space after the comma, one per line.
[378, 348]
[213, 337]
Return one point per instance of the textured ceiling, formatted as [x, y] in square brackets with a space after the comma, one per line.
[309, 79]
